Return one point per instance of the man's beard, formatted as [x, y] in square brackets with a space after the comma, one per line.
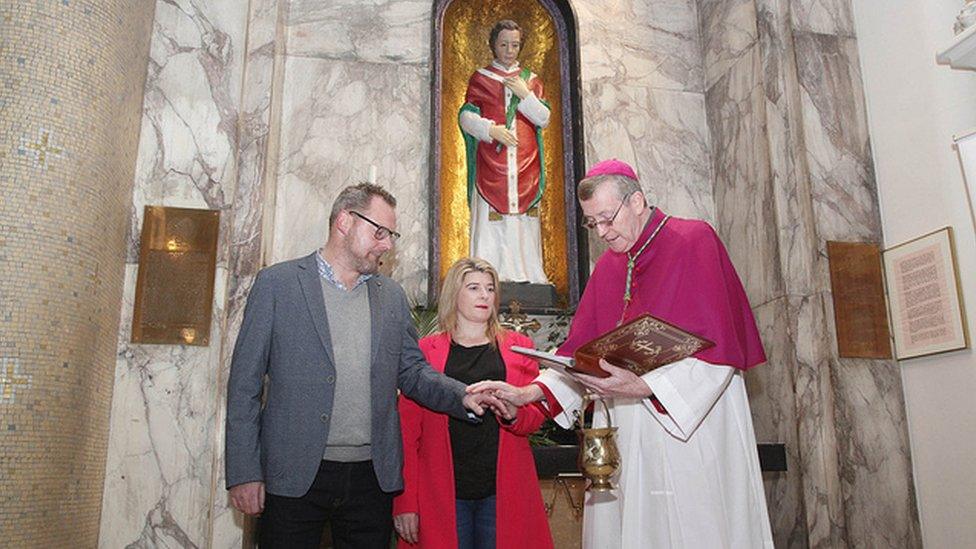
[368, 265]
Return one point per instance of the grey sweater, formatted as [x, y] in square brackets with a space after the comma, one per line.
[349, 326]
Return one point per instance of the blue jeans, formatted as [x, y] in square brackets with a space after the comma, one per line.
[476, 523]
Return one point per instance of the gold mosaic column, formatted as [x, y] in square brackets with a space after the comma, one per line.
[71, 84]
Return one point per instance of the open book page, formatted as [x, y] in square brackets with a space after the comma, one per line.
[561, 363]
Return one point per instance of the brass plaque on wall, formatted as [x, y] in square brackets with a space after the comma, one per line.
[174, 289]
[860, 312]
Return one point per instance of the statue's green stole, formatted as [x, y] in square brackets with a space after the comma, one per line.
[471, 144]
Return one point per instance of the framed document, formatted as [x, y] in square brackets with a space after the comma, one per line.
[924, 296]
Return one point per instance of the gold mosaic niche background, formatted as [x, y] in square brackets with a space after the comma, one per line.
[73, 75]
[465, 47]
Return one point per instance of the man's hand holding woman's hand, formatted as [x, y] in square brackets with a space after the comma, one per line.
[514, 396]
[621, 383]
[477, 402]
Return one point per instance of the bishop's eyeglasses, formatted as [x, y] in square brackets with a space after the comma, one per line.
[381, 231]
[591, 223]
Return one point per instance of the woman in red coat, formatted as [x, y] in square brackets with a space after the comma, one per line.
[471, 486]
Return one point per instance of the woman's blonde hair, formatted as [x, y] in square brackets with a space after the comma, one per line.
[453, 282]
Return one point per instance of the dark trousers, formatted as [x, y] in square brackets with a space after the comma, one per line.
[345, 495]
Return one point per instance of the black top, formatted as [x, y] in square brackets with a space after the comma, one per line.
[474, 446]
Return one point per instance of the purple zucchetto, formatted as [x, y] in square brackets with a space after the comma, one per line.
[611, 167]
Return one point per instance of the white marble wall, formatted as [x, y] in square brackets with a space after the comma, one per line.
[814, 457]
[356, 87]
[872, 447]
[642, 84]
[339, 118]
[793, 170]
[746, 218]
[158, 481]
[249, 216]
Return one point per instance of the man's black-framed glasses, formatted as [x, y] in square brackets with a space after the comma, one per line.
[593, 223]
[381, 231]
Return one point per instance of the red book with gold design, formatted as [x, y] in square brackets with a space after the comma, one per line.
[640, 345]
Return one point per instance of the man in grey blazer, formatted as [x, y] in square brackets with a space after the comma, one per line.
[330, 340]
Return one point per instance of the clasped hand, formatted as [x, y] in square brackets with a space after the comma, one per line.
[621, 383]
[478, 402]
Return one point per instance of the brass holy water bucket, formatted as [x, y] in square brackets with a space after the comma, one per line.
[599, 458]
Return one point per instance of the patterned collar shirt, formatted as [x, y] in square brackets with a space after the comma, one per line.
[326, 272]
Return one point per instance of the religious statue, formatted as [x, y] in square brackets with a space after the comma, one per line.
[502, 120]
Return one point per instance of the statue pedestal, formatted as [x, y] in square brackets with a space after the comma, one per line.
[534, 298]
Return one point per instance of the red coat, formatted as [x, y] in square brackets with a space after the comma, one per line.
[428, 466]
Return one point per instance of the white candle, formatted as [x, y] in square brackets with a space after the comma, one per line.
[372, 174]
